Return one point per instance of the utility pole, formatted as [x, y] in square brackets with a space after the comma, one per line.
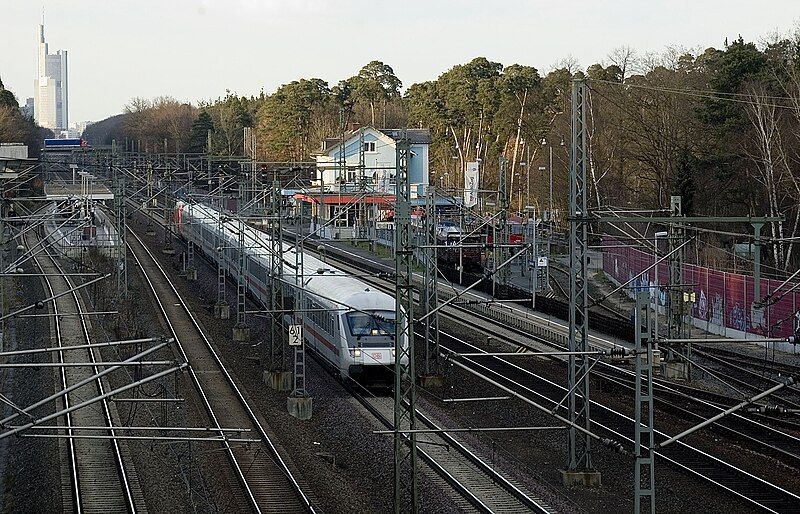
[299, 402]
[675, 284]
[120, 213]
[363, 227]
[405, 443]
[150, 230]
[500, 253]
[221, 309]
[431, 375]
[680, 367]
[533, 250]
[342, 167]
[275, 374]
[241, 332]
[579, 466]
[168, 222]
[644, 479]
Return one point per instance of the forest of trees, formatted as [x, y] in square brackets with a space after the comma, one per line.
[720, 127]
[16, 128]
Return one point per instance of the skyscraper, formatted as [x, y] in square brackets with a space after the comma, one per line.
[50, 88]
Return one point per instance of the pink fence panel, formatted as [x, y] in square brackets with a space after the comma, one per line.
[721, 298]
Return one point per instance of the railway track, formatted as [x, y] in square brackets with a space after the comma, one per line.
[528, 385]
[670, 396]
[739, 482]
[268, 483]
[100, 479]
[483, 487]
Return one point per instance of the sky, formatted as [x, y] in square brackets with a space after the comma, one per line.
[195, 50]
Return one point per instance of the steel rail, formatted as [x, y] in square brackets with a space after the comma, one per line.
[676, 463]
[486, 469]
[124, 479]
[759, 502]
[229, 379]
[118, 460]
[440, 469]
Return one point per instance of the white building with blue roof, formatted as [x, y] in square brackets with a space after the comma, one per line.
[379, 148]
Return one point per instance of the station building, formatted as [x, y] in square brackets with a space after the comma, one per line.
[354, 187]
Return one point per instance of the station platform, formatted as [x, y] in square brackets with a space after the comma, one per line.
[73, 237]
[63, 191]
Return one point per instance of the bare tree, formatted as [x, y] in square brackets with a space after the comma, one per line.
[626, 59]
[769, 159]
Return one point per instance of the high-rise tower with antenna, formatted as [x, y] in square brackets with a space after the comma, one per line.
[51, 100]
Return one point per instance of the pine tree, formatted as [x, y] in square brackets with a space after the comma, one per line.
[198, 136]
[7, 98]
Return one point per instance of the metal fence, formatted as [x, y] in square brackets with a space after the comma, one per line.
[722, 300]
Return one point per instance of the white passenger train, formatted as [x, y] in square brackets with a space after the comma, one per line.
[348, 324]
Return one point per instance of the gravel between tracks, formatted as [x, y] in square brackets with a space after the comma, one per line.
[30, 467]
[361, 479]
[542, 454]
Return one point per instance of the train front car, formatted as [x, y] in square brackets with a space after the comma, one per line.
[348, 324]
[370, 336]
[461, 248]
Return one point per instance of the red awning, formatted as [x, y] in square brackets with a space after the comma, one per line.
[344, 199]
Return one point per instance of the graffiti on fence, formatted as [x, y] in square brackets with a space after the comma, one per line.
[702, 306]
[738, 317]
[723, 298]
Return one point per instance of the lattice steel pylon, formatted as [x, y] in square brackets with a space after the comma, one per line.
[363, 227]
[275, 352]
[241, 276]
[120, 213]
[169, 222]
[221, 307]
[150, 199]
[430, 291]
[644, 481]
[405, 443]
[299, 368]
[675, 308]
[500, 248]
[579, 446]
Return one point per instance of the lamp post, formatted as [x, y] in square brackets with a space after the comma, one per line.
[455, 170]
[524, 164]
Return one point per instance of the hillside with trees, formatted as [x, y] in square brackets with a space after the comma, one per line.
[720, 127]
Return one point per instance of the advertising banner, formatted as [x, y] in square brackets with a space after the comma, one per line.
[471, 180]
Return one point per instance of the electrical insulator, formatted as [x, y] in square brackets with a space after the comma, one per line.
[616, 352]
[612, 444]
[774, 410]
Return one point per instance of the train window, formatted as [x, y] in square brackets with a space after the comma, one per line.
[260, 273]
[362, 324]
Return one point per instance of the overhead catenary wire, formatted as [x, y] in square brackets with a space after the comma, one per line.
[740, 98]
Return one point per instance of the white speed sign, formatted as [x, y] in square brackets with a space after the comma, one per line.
[295, 335]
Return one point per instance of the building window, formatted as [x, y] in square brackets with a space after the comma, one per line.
[369, 146]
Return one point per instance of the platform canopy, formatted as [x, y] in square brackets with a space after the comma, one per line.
[345, 199]
[62, 191]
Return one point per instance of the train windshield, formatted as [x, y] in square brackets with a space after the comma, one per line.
[380, 323]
